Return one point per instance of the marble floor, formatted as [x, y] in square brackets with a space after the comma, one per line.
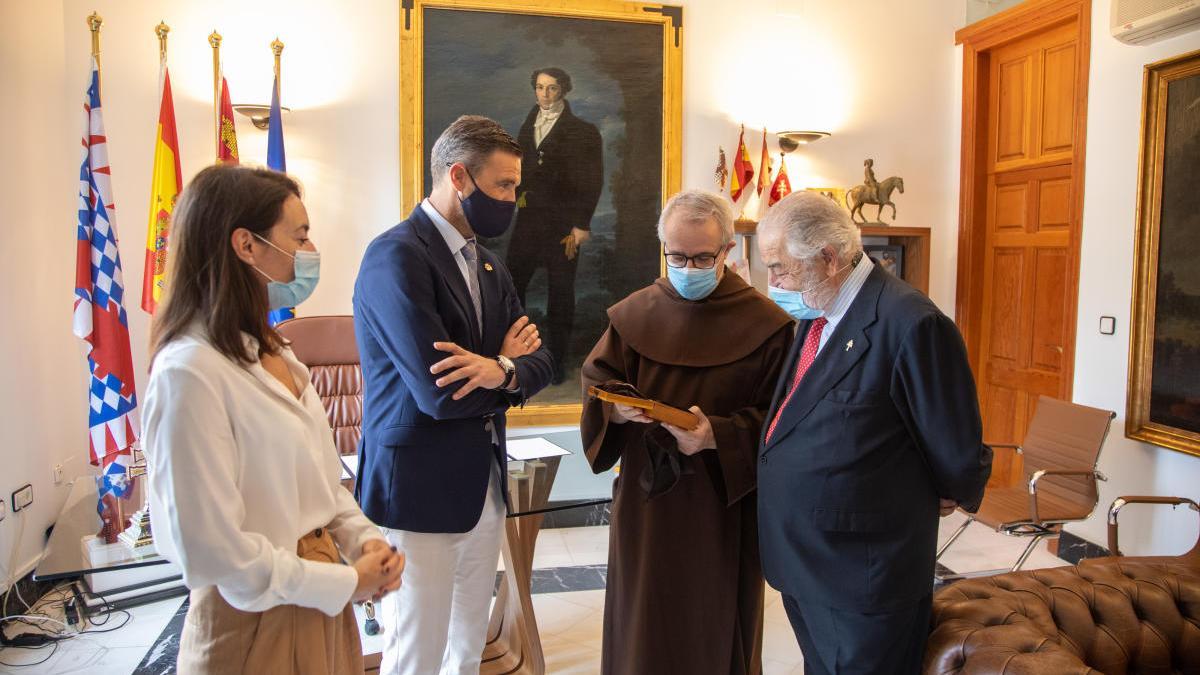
[569, 620]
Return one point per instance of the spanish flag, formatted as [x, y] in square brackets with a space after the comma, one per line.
[764, 167]
[782, 186]
[743, 170]
[165, 184]
[227, 150]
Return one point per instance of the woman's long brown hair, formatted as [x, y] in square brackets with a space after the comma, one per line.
[205, 279]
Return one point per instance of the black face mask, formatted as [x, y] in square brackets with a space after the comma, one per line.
[488, 217]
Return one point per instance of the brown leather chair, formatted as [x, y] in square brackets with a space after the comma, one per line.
[326, 345]
[1111, 615]
[1061, 450]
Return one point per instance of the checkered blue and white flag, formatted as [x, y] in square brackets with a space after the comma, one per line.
[100, 317]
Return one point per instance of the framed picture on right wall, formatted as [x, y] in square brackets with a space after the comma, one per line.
[1163, 405]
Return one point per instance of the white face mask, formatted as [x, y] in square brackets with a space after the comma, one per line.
[307, 266]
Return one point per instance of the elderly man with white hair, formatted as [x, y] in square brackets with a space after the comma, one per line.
[873, 431]
[685, 587]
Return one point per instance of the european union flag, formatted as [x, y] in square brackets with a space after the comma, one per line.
[276, 160]
[275, 155]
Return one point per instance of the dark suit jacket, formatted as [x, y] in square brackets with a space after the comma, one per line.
[425, 458]
[848, 486]
[560, 180]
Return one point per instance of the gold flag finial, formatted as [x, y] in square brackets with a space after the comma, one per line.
[277, 49]
[94, 21]
[214, 39]
[161, 31]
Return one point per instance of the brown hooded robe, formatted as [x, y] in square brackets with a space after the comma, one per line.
[685, 587]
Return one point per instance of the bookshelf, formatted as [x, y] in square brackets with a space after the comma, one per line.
[916, 243]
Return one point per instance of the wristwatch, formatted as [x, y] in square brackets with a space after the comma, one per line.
[510, 370]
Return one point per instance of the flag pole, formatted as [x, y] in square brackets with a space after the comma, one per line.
[214, 39]
[277, 48]
[161, 31]
[94, 21]
[741, 141]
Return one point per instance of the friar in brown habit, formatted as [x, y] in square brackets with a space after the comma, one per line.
[685, 587]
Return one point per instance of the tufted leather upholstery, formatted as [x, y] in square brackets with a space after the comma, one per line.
[326, 345]
[1106, 615]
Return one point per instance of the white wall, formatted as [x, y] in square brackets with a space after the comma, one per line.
[340, 71]
[978, 10]
[1105, 289]
[881, 76]
[42, 391]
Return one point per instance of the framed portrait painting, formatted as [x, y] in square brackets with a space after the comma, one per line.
[592, 92]
[1163, 405]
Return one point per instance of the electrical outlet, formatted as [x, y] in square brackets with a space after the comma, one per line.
[58, 474]
[3, 509]
[22, 497]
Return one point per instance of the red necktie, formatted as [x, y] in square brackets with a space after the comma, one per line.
[808, 354]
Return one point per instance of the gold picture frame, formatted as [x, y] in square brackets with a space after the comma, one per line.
[1161, 415]
[414, 153]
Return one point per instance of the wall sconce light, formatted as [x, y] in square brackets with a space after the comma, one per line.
[790, 140]
[260, 115]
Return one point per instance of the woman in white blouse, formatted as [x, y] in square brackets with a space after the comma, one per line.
[244, 475]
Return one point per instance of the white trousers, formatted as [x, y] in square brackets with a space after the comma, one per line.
[437, 622]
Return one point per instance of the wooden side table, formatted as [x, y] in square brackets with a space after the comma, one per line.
[513, 644]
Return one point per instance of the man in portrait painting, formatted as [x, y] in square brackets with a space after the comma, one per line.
[562, 173]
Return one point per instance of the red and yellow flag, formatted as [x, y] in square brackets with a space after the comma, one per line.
[782, 186]
[227, 150]
[743, 170]
[764, 167]
[165, 184]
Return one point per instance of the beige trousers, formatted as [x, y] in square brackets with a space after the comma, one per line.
[221, 640]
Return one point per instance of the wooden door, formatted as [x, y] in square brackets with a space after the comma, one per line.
[1035, 96]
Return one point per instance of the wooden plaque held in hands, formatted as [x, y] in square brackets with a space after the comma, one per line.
[650, 408]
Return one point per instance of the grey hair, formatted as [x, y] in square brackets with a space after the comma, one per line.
[696, 206]
[470, 139]
[810, 221]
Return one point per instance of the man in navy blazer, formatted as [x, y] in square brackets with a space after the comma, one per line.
[874, 431]
[445, 352]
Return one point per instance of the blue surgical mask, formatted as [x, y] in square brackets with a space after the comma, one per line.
[793, 303]
[307, 265]
[693, 283]
[487, 216]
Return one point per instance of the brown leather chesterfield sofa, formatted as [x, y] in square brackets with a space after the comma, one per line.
[1113, 615]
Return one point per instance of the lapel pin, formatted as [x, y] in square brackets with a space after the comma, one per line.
[850, 345]
[487, 266]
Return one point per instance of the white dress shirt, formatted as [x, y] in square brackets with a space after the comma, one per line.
[453, 237]
[240, 470]
[456, 242]
[845, 297]
[545, 122]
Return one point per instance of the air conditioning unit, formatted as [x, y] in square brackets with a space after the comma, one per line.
[1141, 21]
